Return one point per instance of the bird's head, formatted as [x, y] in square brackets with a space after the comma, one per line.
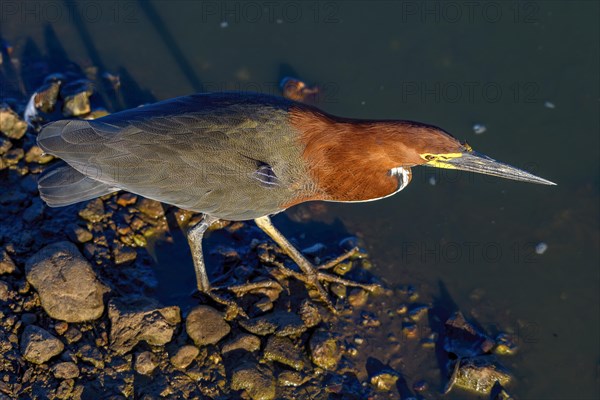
[360, 160]
[420, 144]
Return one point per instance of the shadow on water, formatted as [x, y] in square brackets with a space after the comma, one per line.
[58, 60]
[443, 307]
[34, 67]
[171, 44]
[132, 94]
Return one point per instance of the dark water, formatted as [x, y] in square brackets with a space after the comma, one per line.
[526, 70]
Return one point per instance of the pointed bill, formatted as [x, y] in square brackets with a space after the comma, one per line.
[482, 164]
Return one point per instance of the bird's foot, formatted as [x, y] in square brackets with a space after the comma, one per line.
[232, 308]
[313, 277]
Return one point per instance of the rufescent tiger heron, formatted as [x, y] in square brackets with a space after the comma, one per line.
[240, 156]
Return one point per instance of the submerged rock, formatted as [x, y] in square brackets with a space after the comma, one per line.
[384, 381]
[135, 319]
[66, 283]
[324, 350]
[38, 345]
[478, 374]
[205, 325]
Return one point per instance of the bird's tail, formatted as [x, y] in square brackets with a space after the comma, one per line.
[63, 185]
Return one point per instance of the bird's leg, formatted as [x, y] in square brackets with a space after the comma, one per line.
[312, 276]
[195, 236]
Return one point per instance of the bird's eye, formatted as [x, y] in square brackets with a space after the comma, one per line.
[430, 157]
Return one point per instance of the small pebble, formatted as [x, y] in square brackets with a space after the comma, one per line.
[61, 327]
[549, 104]
[432, 181]
[290, 378]
[541, 248]
[384, 381]
[65, 370]
[145, 363]
[7, 266]
[358, 297]
[184, 356]
[325, 351]
[479, 129]
[420, 386]
[224, 24]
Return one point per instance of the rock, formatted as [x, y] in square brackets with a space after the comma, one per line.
[282, 350]
[13, 156]
[5, 145]
[384, 381]
[184, 356]
[10, 123]
[126, 199]
[309, 313]
[76, 97]
[7, 266]
[478, 374]
[38, 345]
[73, 334]
[151, 208]
[290, 378]
[91, 355]
[280, 323]
[45, 97]
[36, 154]
[256, 380]
[123, 254]
[93, 211]
[66, 283]
[97, 113]
[243, 341]
[205, 325]
[65, 370]
[358, 297]
[324, 350]
[79, 234]
[505, 344]
[4, 291]
[145, 363]
[135, 319]
[61, 327]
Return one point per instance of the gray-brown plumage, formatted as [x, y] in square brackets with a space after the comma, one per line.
[228, 156]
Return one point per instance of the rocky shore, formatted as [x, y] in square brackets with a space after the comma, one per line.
[79, 315]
